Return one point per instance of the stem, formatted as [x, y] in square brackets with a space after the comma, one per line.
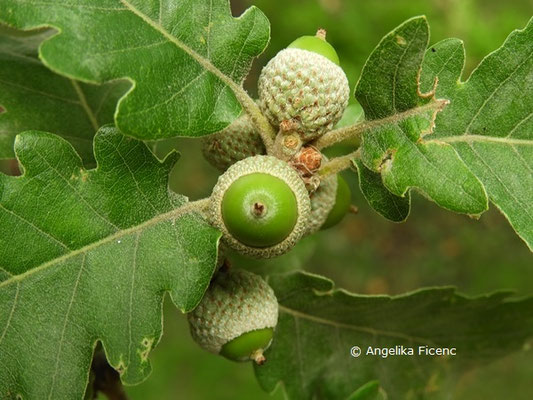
[321, 34]
[258, 357]
[338, 164]
[265, 130]
[286, 146]
[200, 206]
[352, 131]
[338, 135]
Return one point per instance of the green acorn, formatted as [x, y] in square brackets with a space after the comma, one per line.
[322, 202]
[304, 84]
[236, 317]
[343, 200]
[261, 206]
[234, 143]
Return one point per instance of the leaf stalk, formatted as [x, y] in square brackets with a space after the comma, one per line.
[339, 164]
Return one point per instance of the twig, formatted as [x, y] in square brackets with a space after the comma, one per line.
[338, 164]
[338, 135]
[265, 130]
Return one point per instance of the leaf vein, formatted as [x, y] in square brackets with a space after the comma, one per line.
[519, 124]
[126, 49]
[444, 175]
[488, 139]
[40, 92]
[180, 91]
[176, 213]
[132, 287]
[23, 56]
[510, 192]
[364, 329]
[208, 49]
[8, 322]
[242, 48]
[133, 177]
[522, 159]
[395, 76]
[445, 64]
[62, 339]
[299, 350]
[70, 5]
[44, 233]
[77, 193]
[467, 129]
[85, 105]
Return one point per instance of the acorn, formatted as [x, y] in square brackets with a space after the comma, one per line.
[236, 317]
[322, 202]
[343, 201]
[261, 206]
[234, 143]
[304, 84]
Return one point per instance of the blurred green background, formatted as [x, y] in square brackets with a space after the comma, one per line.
[365, 253]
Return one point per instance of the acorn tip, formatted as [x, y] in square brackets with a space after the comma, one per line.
[321, 34]
[258, 357]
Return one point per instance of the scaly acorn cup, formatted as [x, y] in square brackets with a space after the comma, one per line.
[234, 143]
[236, 317]
[261, 206]
[322, 202]
[343, 200]
[305, 84]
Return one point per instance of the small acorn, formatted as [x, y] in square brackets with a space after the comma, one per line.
[343, 199]
[305, 84]
[322, 202]
[261, 206]
[236, 317]
[234, 143]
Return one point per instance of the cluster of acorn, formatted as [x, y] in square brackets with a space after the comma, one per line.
[265, 203]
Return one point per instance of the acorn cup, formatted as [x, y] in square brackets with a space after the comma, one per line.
[322, 202]
[261, 206]
[341, 206]
[305, 84]
[236, 317]
[236, 142]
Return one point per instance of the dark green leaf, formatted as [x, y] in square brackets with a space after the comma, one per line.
[318, 326]
[489, 120]
[87, 255]
[387, 204]
[394, 146]
[186, 58]
[33, 97]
